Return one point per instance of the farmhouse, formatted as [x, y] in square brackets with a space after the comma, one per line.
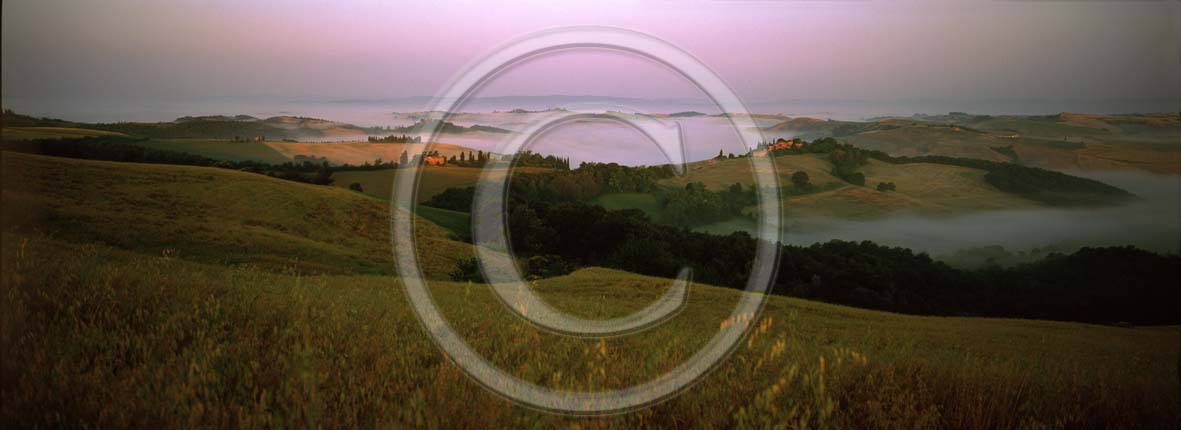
[782, 143]
[434, 160]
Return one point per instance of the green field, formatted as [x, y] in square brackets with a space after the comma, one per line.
[458, 223]
[434, 179]
[162, 296]
[221, 149]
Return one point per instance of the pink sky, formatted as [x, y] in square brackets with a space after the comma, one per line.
[766, 50]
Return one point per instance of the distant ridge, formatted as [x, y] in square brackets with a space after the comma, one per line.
[423, 125]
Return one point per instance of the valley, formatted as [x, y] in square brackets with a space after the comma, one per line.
[278, 294]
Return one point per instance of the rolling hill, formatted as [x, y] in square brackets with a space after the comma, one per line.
[208, 215]
[110, 337]
[147, 295]
[922, 188]
[233, 138]
[357, 153]
[278, 152]
[1064, 142]
[241, 127]
[445, 127]
[31, 133]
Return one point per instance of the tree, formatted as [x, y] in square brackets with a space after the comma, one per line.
[800, 179]
[720, 154]
[405, 159]
[356, 187]
[468, 270]
[323, 175]
[886, 186]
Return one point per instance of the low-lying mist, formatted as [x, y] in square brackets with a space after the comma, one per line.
[1151, 222]
[1001, 237]
[607, 141]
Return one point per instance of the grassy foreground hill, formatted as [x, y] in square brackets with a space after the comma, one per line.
[150, 296]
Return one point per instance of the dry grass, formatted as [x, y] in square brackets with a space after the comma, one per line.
[113, 315]
[96, 337]
[720, 174]
[1112, 142]
[922, 188]
[940, 188]
[210, 215]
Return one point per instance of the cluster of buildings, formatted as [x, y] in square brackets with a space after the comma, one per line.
[782, 143]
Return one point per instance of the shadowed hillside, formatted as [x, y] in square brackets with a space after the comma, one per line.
[207, 214]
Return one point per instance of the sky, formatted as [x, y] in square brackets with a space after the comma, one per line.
[113, 51]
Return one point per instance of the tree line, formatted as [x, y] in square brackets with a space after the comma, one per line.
[553, 231]
[123, 149]
[403, 138]
[1099, 285]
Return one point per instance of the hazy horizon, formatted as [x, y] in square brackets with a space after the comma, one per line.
[380, 111]
[137, 60]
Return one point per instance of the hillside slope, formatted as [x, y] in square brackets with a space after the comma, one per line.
[240, 126]
[434, 179]
[278, 152]
[109, 338]
[1063, 142]
[924, 188]
[137, 295]
[29, 133]
[209, 215]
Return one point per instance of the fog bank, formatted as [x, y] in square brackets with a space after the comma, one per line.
[1151, 222]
